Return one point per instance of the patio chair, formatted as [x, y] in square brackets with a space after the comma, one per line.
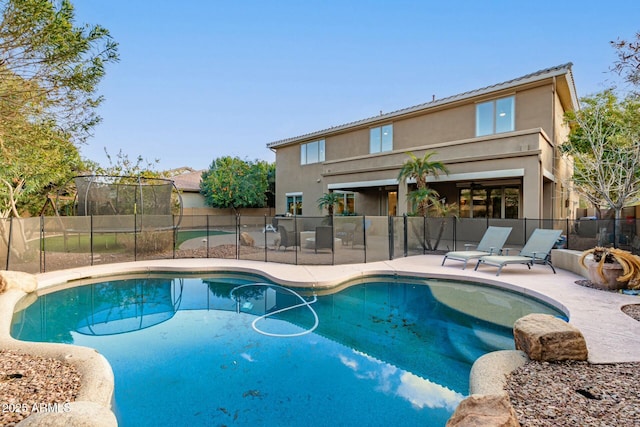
[537, 250]
[491, 243]
[324, 237]
[345, 233]
[359, 233]
[287, 238]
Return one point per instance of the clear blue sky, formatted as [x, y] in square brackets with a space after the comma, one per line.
[202, 79]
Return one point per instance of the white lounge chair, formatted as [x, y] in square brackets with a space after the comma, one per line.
[491, 243]
[537, 250]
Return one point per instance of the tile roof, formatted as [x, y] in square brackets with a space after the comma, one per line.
[528, 78]
[189, 182]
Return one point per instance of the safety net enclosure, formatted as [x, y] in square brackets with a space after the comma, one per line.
[114, 200]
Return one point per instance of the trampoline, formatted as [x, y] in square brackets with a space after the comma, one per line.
[127, 204]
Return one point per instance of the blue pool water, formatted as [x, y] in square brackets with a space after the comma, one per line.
[193, 351]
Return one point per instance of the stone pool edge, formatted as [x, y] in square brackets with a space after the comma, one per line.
[93, 405]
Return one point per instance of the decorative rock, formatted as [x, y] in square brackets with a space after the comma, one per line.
[484, 410]
[546, 338]
[246, 239]
[17, 280]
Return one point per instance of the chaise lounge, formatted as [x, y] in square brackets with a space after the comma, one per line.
[537, 250]
[491, 243]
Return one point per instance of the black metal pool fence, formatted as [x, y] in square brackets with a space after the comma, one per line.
[42, 244]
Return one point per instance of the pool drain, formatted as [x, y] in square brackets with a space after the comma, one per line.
[264, 316]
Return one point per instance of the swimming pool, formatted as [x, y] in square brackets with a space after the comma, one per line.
[190, 351]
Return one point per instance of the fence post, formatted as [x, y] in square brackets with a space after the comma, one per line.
[391, 238]
[296, 237]
[91, 237]
[364, 238]
[265, 237]
[43, 266]
[9, 241]
[333, 241]
[207, 223]
[135, 236]
[237, 236]
[406, 243]
[424, 234]
[175, 235]
[455, 232]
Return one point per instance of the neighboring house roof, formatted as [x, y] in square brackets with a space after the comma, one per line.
[560, 70]
[188, 182]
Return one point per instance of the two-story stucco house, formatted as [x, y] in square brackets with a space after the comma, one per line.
[500, 144]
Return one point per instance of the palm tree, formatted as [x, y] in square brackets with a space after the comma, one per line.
[419, 169]
[328, 200]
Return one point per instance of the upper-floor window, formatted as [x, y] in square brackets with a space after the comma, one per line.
[495, 116]
[381, 139]
[312, 152]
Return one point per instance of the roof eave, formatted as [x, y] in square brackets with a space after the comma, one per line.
[551, 72]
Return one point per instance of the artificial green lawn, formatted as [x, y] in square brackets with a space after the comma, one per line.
[108, 243]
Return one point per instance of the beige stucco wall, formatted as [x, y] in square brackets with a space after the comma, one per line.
[449, 130]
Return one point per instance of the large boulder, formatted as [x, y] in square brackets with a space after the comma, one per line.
[547, 338]
[246, 239]
[17, 280]
[481, 410]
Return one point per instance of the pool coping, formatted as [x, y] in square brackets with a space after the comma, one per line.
[611, 335]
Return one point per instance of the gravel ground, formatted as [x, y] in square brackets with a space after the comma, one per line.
[543, 394]
[577, 393]
[34, 384]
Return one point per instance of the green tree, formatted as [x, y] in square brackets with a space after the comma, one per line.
[58, 63]
[604, 143]
[329, 201]
[420, 168]
[234, 183]
[28, 172]
[49, 71]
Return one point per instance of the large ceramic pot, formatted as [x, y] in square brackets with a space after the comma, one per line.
[611, 272]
